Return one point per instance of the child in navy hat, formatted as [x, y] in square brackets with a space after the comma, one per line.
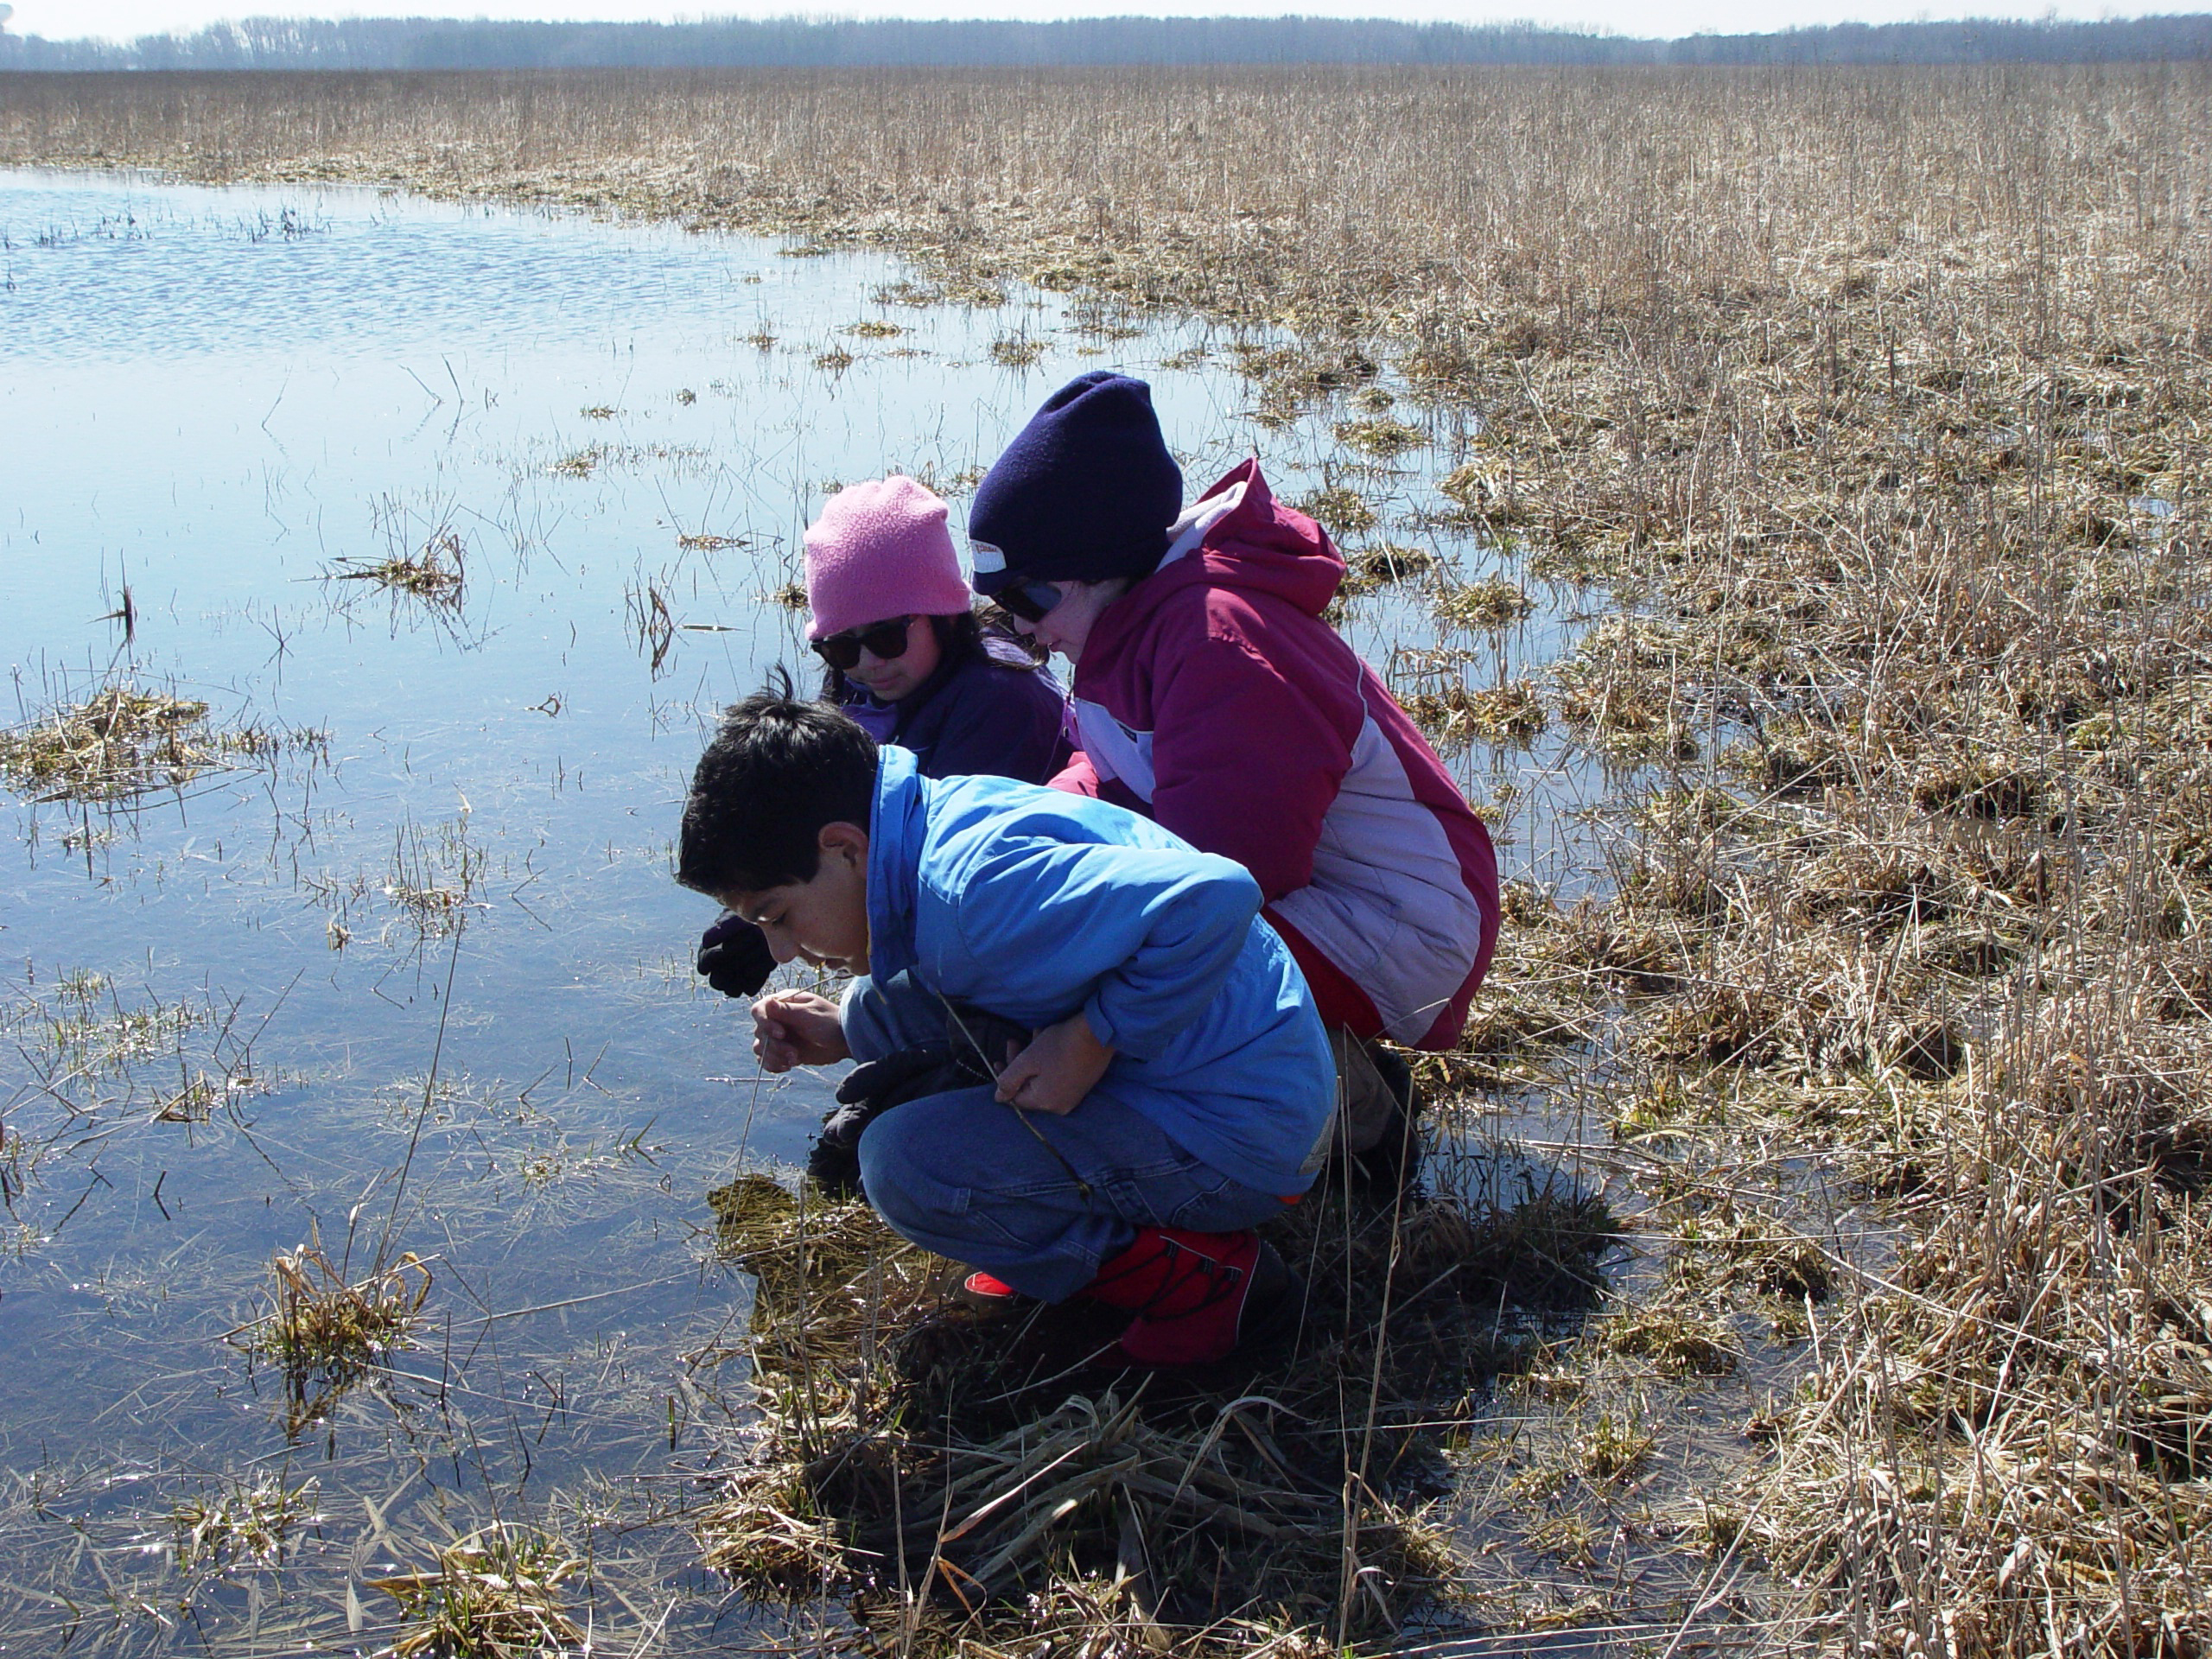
[1209, 693]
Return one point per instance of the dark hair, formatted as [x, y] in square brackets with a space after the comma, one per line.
[777, 771]
[959, 637]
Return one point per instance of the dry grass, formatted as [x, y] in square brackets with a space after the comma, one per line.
[979, 1476]
[1875, 401]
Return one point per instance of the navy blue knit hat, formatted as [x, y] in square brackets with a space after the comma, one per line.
[1085, 492]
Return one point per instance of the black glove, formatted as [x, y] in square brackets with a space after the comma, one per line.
[868, 1091]
[873, 1087]
[734, 957]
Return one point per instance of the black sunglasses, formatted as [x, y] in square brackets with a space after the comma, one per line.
[1029, 601]
[882, 640]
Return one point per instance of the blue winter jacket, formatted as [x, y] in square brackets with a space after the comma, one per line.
[1034, 902]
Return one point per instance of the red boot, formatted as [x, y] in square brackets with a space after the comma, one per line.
[1196, 1295]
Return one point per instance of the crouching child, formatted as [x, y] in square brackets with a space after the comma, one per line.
[1173, 1085]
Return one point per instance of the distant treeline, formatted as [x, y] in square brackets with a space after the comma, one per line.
[437, 43]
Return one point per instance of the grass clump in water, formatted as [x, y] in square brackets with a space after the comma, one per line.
[1380, 437]
[1379, 566]
[1339, 510]
[325, 1332]
[495, 1594]
[1513, 713]
[436, 571]
[245, 1520]
[1016, 351]
[124, 739]
[1485, 606]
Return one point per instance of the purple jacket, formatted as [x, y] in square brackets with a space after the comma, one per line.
[988, 712]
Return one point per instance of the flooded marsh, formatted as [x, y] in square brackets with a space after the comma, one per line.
[377, 567]
[1779, 491]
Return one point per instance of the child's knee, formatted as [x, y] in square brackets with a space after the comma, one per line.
[898, 1168]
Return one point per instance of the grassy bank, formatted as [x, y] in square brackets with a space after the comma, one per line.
[1871, 407]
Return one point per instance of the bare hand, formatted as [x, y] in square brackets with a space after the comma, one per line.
[797, 1028]
[1057, 1070]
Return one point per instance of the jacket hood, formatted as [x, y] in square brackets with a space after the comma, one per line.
[1239, 536]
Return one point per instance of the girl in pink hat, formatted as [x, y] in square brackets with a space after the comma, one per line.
[904, 652]
[903, 655]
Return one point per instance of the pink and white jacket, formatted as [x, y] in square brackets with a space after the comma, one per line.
[1212, 697]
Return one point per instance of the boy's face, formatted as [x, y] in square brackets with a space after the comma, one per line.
[825, 919]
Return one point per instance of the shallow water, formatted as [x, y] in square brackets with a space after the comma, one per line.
[221, 1014]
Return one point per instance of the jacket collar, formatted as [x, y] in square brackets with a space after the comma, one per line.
[894, 851]
[1240, 499]
[1189, 533]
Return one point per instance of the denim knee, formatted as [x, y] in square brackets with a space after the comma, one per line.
[896, 1172]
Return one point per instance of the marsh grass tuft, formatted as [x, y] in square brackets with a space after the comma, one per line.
[1378, 566]
[1490, 606]
[436, 571]
[325, 1332]
[1016, 351]
[1513, 713]
[495, 1593]
[123, 740]
[1380, 437]
[245, 1520]
[1340, 510]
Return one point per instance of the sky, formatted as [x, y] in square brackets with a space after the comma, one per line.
[121, 19]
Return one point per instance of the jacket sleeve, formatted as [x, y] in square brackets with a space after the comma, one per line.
[1142, 939]
[1246, 761]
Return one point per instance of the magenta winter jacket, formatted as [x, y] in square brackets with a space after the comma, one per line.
[1212, 696]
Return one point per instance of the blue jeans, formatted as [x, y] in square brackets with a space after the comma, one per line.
[959, 1175]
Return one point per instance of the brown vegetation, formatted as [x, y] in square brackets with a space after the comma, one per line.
[1877, 402]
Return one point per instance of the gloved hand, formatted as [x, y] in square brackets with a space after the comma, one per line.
[734, 957]
[873, 1087]
[868, 1091]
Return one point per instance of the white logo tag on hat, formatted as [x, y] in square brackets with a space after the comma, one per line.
[988, 561]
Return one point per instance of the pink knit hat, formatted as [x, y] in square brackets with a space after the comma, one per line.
[880, 550]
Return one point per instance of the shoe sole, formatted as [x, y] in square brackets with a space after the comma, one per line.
[954, 1288]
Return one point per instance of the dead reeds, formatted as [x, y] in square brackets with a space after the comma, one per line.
[975, 1472]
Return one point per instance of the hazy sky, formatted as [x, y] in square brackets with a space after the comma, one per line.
[121, 18]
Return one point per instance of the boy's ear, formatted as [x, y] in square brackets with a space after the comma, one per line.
[845, 840]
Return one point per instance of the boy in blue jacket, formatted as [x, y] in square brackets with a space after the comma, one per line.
[1177, 1085]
